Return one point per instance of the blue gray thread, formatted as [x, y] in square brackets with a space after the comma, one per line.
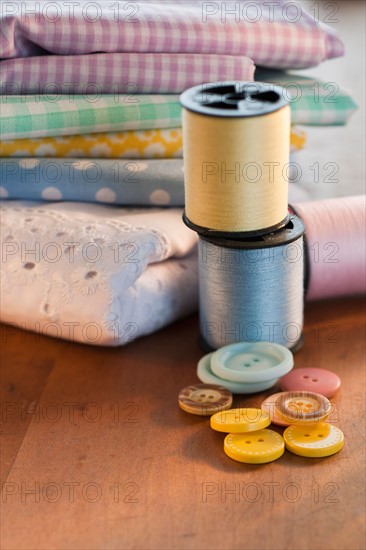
[253, 295]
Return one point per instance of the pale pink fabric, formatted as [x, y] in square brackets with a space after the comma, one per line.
[119, 73]
[279, 34]
[336, 244]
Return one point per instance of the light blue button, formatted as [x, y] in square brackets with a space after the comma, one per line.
[206, 375]
[251, 362]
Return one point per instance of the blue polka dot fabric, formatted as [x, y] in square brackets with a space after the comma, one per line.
[122, 182]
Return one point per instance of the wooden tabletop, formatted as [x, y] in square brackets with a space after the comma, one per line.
[96, 453]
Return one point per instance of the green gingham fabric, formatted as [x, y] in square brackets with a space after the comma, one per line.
[46, 115]
[313, 102]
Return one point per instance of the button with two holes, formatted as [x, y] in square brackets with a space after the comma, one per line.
[240, 420]
[321, 381]
[251, 362]
[314, 441]
[254, 447]
[206, 375]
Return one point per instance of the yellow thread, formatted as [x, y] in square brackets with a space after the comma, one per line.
[257, 150]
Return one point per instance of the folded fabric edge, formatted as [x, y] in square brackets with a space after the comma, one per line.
[162, 295]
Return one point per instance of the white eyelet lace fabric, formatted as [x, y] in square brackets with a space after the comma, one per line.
[95, 274]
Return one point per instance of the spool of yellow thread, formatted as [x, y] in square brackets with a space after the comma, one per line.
[236, 140]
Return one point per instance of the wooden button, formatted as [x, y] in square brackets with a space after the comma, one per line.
[205, 399]
[302, 407]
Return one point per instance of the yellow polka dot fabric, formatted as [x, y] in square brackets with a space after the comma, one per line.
[130, 144]
[297, 138]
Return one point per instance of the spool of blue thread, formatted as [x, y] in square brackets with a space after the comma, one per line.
[252, 289]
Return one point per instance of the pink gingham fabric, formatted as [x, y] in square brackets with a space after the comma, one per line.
[119, 73]
[277, 34]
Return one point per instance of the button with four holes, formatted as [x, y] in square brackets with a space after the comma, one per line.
[248, 367]
[254, 447]
[321, 381]
[205, 399]
[302, 407]
[240, 420]
[314, 441]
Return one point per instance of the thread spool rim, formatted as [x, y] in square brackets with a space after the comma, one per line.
[215, 233]
[307, 264]
[280, 237]
[188, 102]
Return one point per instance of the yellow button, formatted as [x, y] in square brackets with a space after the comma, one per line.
[205, 399]
[314, 440]
[301, 407]
[240, 420]
[256, 447]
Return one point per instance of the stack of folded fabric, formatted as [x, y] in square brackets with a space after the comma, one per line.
[90, 113]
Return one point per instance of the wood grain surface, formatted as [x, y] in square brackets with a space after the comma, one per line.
[97, 454]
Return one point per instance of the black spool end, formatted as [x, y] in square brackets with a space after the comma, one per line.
[306, 256]
[234, 99]
[208, 349]
[292, 231]
[206, 232]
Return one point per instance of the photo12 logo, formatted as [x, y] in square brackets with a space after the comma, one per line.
[72, 492]
[268, 491]
[254, 12]
[70, 11]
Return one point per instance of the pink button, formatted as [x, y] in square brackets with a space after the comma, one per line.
[320, 381]
[269, 406]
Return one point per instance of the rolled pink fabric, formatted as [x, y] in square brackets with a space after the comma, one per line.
[336, 245]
